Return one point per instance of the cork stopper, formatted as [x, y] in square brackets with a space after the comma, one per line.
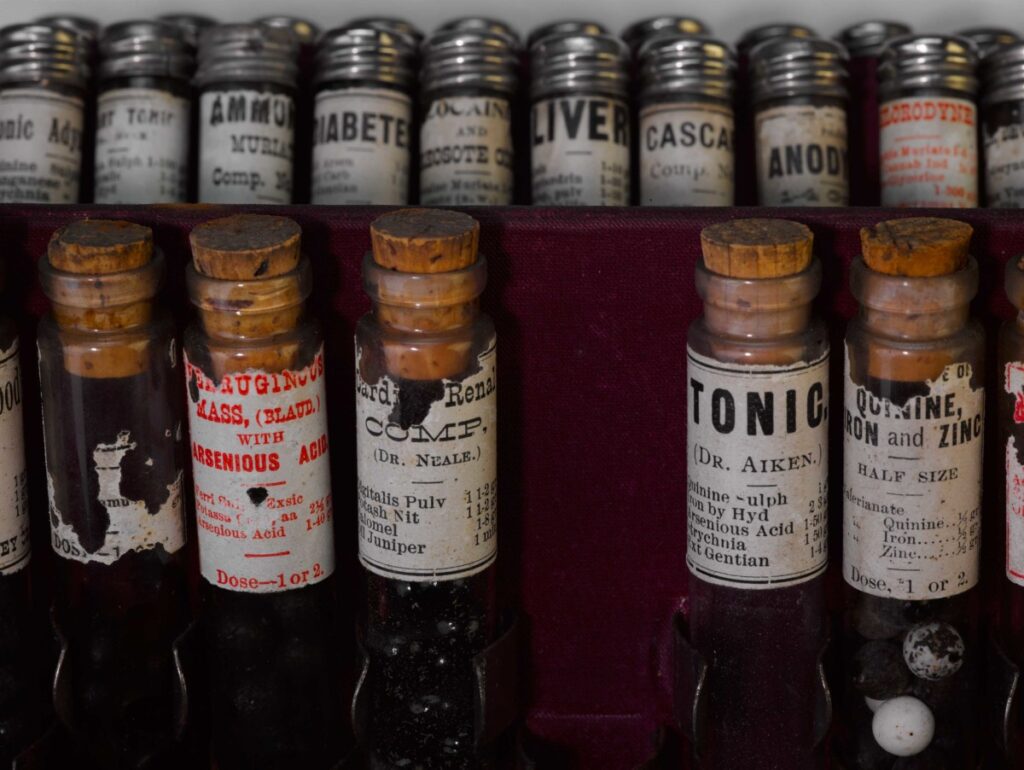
[246, 246]
[916, 247]
[425, 240]
[100, 246]
[757, 248]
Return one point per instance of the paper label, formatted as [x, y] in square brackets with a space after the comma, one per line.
[929, 148]
[133, 526]
[246, 147]
[912, 475]
[1004, 167]
[262, 478]
[757, 472]
[428, 485]
[142, 137]
[801, 156]
[466, 152]
[1013, 384]
[15, 545]
[361, 147]
[580, 153]
[40, 146]
[686, 155]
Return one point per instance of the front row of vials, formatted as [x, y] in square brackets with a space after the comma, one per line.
[252, 364]
[912, 422]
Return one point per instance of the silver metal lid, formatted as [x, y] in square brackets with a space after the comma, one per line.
[758, 35]
[364, 53]
[788, 66]
[686, 65]
[390, 24]
[145, 48]
[585, 64]
[306, 32]
[191, 24]
[83, 25]
[482, 24]
[469, 59]
[1002, 75]
[944, 62]
[565, 27]
[42, 52]
[989, 39]
[868, 38]
[636, 34]
[247, 53]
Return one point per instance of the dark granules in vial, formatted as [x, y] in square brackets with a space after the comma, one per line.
[421, 639]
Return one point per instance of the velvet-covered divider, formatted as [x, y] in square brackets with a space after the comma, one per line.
[591, 308]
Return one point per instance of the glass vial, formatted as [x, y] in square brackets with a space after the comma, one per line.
[1002, 126]
[426, 426]
[864, 42]
[469, 80]
[686, 121]
[757, 526]
[247, 90]
[254, 367]
[44, 76]
[362, 124]
[580, 122]
[111, 397]
[638, 33]
[928, 122]
[20, 693]
[988, 40]
[913, 428]
[144, 114]
[800, 93]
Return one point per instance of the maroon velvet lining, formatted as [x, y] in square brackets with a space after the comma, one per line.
[591, 307]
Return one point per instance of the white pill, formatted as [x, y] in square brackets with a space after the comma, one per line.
[903, 726]
[873, 703]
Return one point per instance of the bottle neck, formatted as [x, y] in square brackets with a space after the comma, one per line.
[425, 303]
[914, 309]
[758, 309]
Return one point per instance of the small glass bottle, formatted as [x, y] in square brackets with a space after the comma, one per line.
[580, 121]
[928, 124]
[111, 396]
[21, 697]
[686, 121]
[864, 42]
[144, 114]
[469, 80]
[362, 124]
[638, 33]
[757, 527]
[44, 77]
[1002, 126]
[247, 107]
[913, 429]
[1010, 632]
[988, 40]
[254, 369]
[427, 479]
[800, 92]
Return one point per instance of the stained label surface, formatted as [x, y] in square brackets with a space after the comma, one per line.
[15, 546]
[1004, 167]
[802, 156]
[40, 146]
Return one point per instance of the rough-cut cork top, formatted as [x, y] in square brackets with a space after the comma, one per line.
[246, 246]
[425, 240]
[100, 246]
[917, 247]
[757, 248]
